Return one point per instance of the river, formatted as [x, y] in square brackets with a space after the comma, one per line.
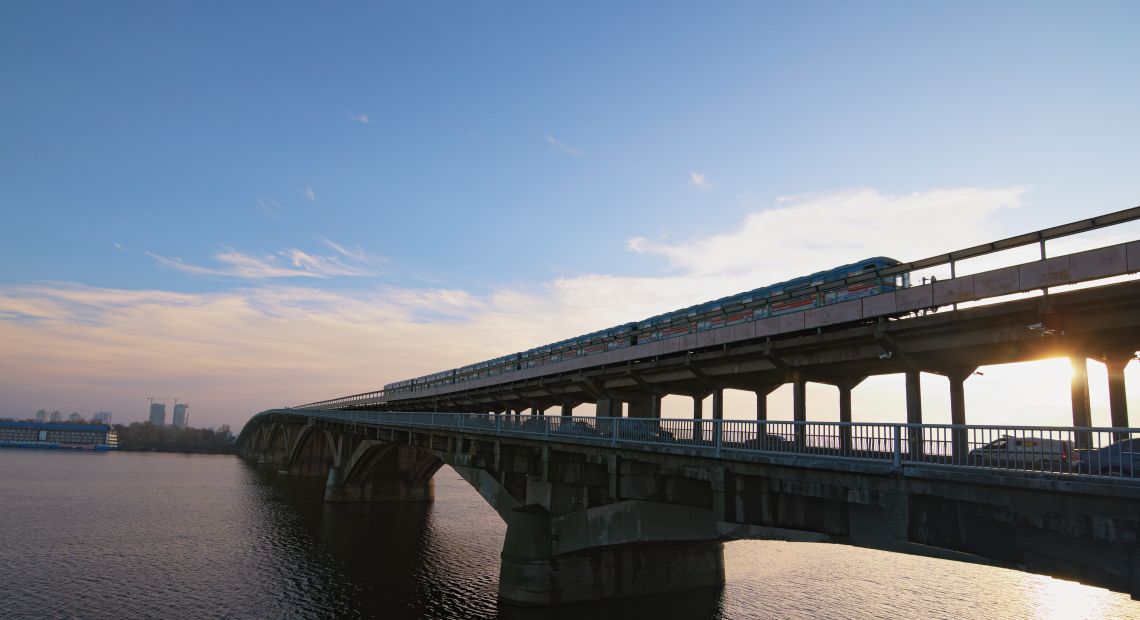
[147, 535]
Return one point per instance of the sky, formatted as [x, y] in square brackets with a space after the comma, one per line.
[246, 205]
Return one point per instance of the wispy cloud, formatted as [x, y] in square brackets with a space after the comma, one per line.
[357, 255]
[360, 118]
[698, 179]
[565, 148]
[269, 206]
[805, 233]
[119, 247]
[290, 263]
[309, 194]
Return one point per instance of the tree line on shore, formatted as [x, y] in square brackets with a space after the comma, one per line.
[147, 436]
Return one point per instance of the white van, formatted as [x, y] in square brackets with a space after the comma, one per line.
[1036, 453]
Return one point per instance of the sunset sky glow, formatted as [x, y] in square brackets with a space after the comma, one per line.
[247, 205]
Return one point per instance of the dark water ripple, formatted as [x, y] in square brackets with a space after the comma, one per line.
[87, 535]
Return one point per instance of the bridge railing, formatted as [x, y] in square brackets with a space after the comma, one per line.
[1075, 451]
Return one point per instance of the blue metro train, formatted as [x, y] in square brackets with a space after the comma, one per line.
[731, 310]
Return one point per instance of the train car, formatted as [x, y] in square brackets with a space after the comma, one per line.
[731, 310]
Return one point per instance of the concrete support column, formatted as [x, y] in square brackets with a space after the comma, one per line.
[799, 410]
[845, 386]
[698, 414]
[762, 410]
[567, 409]
[1079, 390]
[1117, 392]
[649, 408]
[914, 412]
[718, 404]
[608, 408]
[958, 439]
[762, 393]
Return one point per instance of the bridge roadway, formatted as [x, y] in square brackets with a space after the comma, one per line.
[598, 508]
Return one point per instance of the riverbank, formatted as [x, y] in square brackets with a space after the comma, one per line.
[228, 449]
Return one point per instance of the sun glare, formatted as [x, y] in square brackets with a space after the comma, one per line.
[1066, 600]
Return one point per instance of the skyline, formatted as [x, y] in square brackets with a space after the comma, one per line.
[256, 210]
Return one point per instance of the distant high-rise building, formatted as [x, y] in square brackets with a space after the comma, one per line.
[41, 416]
[158, 414]
[103, 417]
[181, 416]
[56, 416]
[75, 418]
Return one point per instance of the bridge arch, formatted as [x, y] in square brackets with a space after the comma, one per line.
[313, 453]
[276, 447]
[383, 471]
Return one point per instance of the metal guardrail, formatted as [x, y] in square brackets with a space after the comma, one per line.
[1074, 451]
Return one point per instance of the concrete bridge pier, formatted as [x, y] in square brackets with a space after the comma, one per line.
[532, 571]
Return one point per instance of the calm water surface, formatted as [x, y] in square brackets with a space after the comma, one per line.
[185, 536]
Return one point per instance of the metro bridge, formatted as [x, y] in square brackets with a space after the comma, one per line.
[606, 505]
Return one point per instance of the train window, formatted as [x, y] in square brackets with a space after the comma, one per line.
[868, 267]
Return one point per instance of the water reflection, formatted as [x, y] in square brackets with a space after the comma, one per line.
[158, 535]
[441, 561]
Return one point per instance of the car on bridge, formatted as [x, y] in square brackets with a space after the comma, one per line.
[770, 442]
[1118, 459]
[1030, 452]
[578, 428]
